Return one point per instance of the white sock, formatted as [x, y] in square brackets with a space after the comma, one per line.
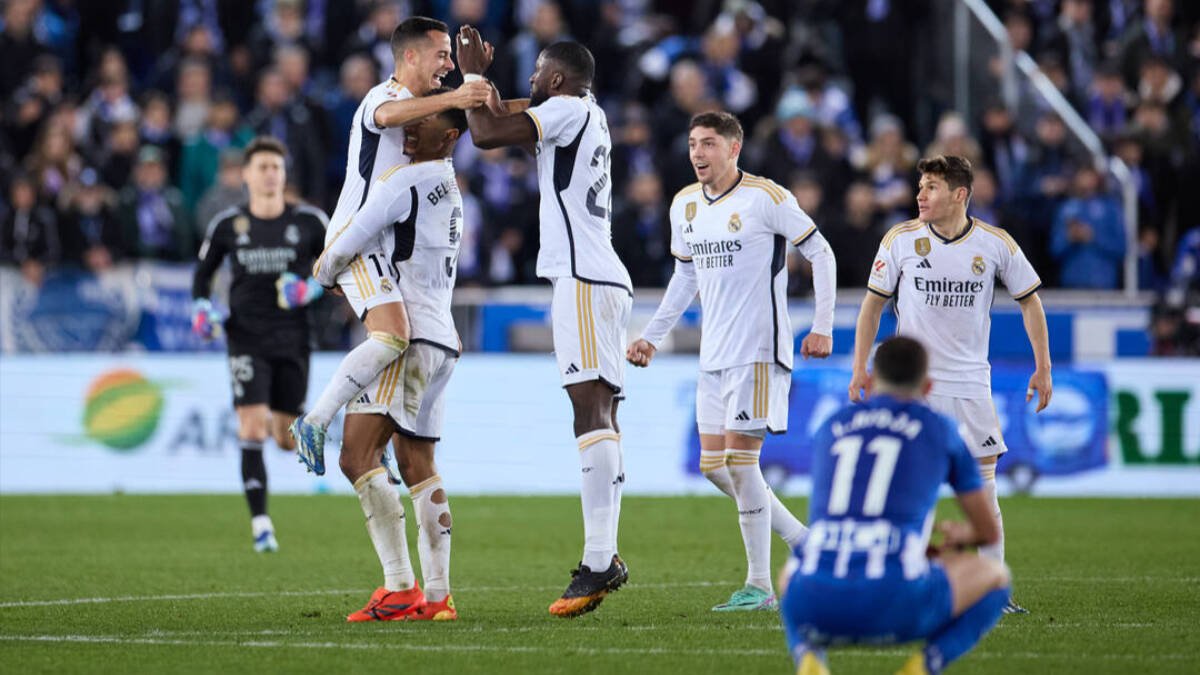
[995, 551]
[359, 368]
[618, 488]
[260, 524]
[754, 514]
[783, 523]
[600, 457]
[385, 524]
[433, 536]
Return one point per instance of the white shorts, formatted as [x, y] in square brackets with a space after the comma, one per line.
[368, 281]
[978, 423]
[752, 397]
[590, 323]
[411, 391]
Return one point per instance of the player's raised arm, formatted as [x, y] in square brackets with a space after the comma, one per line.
[1034, 316]
[397, 113]
[489, 129]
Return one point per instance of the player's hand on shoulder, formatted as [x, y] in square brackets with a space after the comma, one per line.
[858, 386]
[206, 321]
[294, 292]
[1043, 384]
[472, 94]
[816, 346]
[640, 353]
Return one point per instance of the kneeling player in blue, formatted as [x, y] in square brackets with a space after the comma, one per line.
[863, 575]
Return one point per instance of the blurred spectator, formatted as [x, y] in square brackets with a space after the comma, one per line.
[19, 46]
[761, 51]
[891, 165]
[640, 231]
[879, 37]
[1089, 235]
[830, 103]
[29, 106]
[115, 161]
[470, 267]
[983, 199]
[952, 138]
[810, 197]
[689, 95]
[356, 78]
[156, 127]
[1048, 176]
[1004, 149]
[53, 162]
[224, 193]
[91, 235]
[521, 52]
[1152, 35]
[855, 237]
[194, 93]
[633, 147]
[1074, 40]
[735, 90]
[109, 103]
[374, 36]
[202, 151]
[151, 212]
[794, 145]
[1108, 103]
[28, 232]
[289, 121]
[283, 26]
[197, 45]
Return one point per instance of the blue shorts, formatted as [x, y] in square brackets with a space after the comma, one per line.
[823, 611]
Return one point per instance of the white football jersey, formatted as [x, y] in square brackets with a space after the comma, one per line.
[372, 150]
[944, 291]
[738, 243]
[417, 209]
[573, 151]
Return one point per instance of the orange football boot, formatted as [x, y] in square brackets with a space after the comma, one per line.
[386, 605]
[443, 610]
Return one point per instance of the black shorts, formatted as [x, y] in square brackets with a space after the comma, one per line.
[280, 381]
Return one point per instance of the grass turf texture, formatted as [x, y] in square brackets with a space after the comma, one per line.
[1113, 585]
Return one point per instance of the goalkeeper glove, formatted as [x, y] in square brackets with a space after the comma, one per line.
[206, 321]
[296, 292]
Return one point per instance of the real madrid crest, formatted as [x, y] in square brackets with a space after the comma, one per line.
[735, 223]
[978, 266]
[241, 227]
[291, 234]
[689, 211]
[385, 285]
[922, 246]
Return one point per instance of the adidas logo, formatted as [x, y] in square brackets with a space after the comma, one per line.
[572, 369]
[990, 442]
[742, 417]
[924, 265]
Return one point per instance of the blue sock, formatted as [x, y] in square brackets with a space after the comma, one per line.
[960, 635]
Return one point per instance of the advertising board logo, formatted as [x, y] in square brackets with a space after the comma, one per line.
[121, 409]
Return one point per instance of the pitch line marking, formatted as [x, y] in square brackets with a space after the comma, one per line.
[264, 594]
[643, 651]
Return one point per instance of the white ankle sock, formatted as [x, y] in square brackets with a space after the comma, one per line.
[600, 457]
[359, 368]
[433, 536]
[995, 551]
[385, 524]
[754, 514]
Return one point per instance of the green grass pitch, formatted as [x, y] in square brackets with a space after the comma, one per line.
[170, 584]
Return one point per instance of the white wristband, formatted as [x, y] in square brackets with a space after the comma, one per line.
[472, 77]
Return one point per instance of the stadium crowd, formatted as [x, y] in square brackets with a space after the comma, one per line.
[121, 121]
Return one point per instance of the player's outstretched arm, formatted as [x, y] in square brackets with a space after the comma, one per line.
[489, 128]
[1034, 316]
[383, 207]
[398, 113]
[680, 292]
[865, 331]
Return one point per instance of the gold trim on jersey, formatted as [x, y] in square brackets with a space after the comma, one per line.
[762, 389]
[808, 233]
[999, 234]
[386, 390]
[366, 287]
[388, 174]
[878, 290]
[897, 230]
[683, 258]
[694, 187]
[536, 122]
[766, 185]
[584, 445]
[587, 325]
[1028, 291]
[960, 238]
[358, 280]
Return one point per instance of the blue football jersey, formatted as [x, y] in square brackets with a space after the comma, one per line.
[877, 468]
